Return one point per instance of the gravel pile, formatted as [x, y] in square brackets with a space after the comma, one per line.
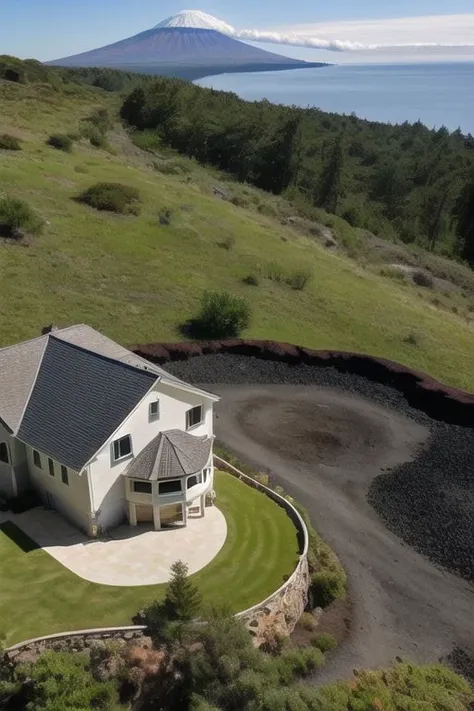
[428, 502]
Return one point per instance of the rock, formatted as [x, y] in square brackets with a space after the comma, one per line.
[129, 635]
[330, 242]
[220, 193]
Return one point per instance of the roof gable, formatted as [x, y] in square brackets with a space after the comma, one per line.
[18, 368]
[78, 401]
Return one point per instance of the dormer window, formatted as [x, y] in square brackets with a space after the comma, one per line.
[122, 448]
[154, 410]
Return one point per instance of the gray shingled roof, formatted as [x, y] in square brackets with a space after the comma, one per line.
[78, 400]
[171, 454]
[19, 365]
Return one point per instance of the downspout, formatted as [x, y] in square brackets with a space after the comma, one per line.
[91, 498]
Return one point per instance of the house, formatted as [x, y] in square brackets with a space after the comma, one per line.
[102, 434]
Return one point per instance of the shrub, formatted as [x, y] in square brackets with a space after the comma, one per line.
[147, 140]
[251, 279]
[326, 587]
[17, 218]
[61, 142]
[112, 197]
[165, 217]
[411, 339]
[324, 641]
[421, 278]
[9, 143]
[299, 278]
[392, 273]
[227, 243]
[307, 621]
[222, 316]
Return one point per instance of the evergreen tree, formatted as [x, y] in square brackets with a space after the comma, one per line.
[464, 212]
[183, 599]
[330, 185]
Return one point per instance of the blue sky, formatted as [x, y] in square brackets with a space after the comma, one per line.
[48, 29]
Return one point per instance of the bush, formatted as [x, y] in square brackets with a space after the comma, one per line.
[112, 197]
[165, 217]
[251, 279]
[299, 278]
[61, 142]
[147, 140]
[423, 279]
[9, 143]
[227, 243]
[324, 641]
[307, 621]
[393, 273]
[222, 316]
[296, 279]
[17, 219]
[326, 586]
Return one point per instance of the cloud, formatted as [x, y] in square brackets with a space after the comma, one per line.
[438, 31]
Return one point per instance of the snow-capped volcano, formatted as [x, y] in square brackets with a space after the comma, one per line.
[197, 20]
[190, 45]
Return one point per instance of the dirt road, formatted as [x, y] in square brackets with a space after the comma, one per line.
[325, 447]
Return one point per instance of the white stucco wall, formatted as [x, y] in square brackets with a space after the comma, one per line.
[108, 486]
[72, 500]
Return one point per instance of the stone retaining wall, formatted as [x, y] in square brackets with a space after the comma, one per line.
[76, 641]
[421, 391]
[280, 611]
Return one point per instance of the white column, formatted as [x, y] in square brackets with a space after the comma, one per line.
[202, 501]
[156, 518]
[185, 514]
[132, 514]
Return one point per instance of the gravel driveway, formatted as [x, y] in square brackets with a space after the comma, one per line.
[356, 455]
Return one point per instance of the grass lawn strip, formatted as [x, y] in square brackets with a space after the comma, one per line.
[38, 596]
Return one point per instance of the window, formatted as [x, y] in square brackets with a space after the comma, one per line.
[154, 410]
[37, 459]
[193, 480]
[170, 487]
[51, 466]
[64, 474]
[4, 452]
[122, 448]
[142, 487]
[194, 417]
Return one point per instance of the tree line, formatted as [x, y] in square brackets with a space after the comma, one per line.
[398, 181]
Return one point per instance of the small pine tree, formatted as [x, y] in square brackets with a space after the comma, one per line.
[183, 599]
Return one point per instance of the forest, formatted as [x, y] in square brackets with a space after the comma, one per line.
[403, 182]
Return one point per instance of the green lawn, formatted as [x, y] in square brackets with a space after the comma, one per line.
[137, 280]
[38, 596]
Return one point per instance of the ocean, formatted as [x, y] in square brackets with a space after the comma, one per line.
[435, 94]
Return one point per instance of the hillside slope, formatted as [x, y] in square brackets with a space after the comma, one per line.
[137, 279]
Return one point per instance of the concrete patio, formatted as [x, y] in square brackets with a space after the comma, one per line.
[128, 556]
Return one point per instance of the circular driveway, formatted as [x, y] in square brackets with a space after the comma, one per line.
[325, 447]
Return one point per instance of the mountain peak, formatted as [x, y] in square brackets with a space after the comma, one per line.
[197, 20]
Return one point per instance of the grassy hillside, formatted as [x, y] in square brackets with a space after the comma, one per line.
[137, 279]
